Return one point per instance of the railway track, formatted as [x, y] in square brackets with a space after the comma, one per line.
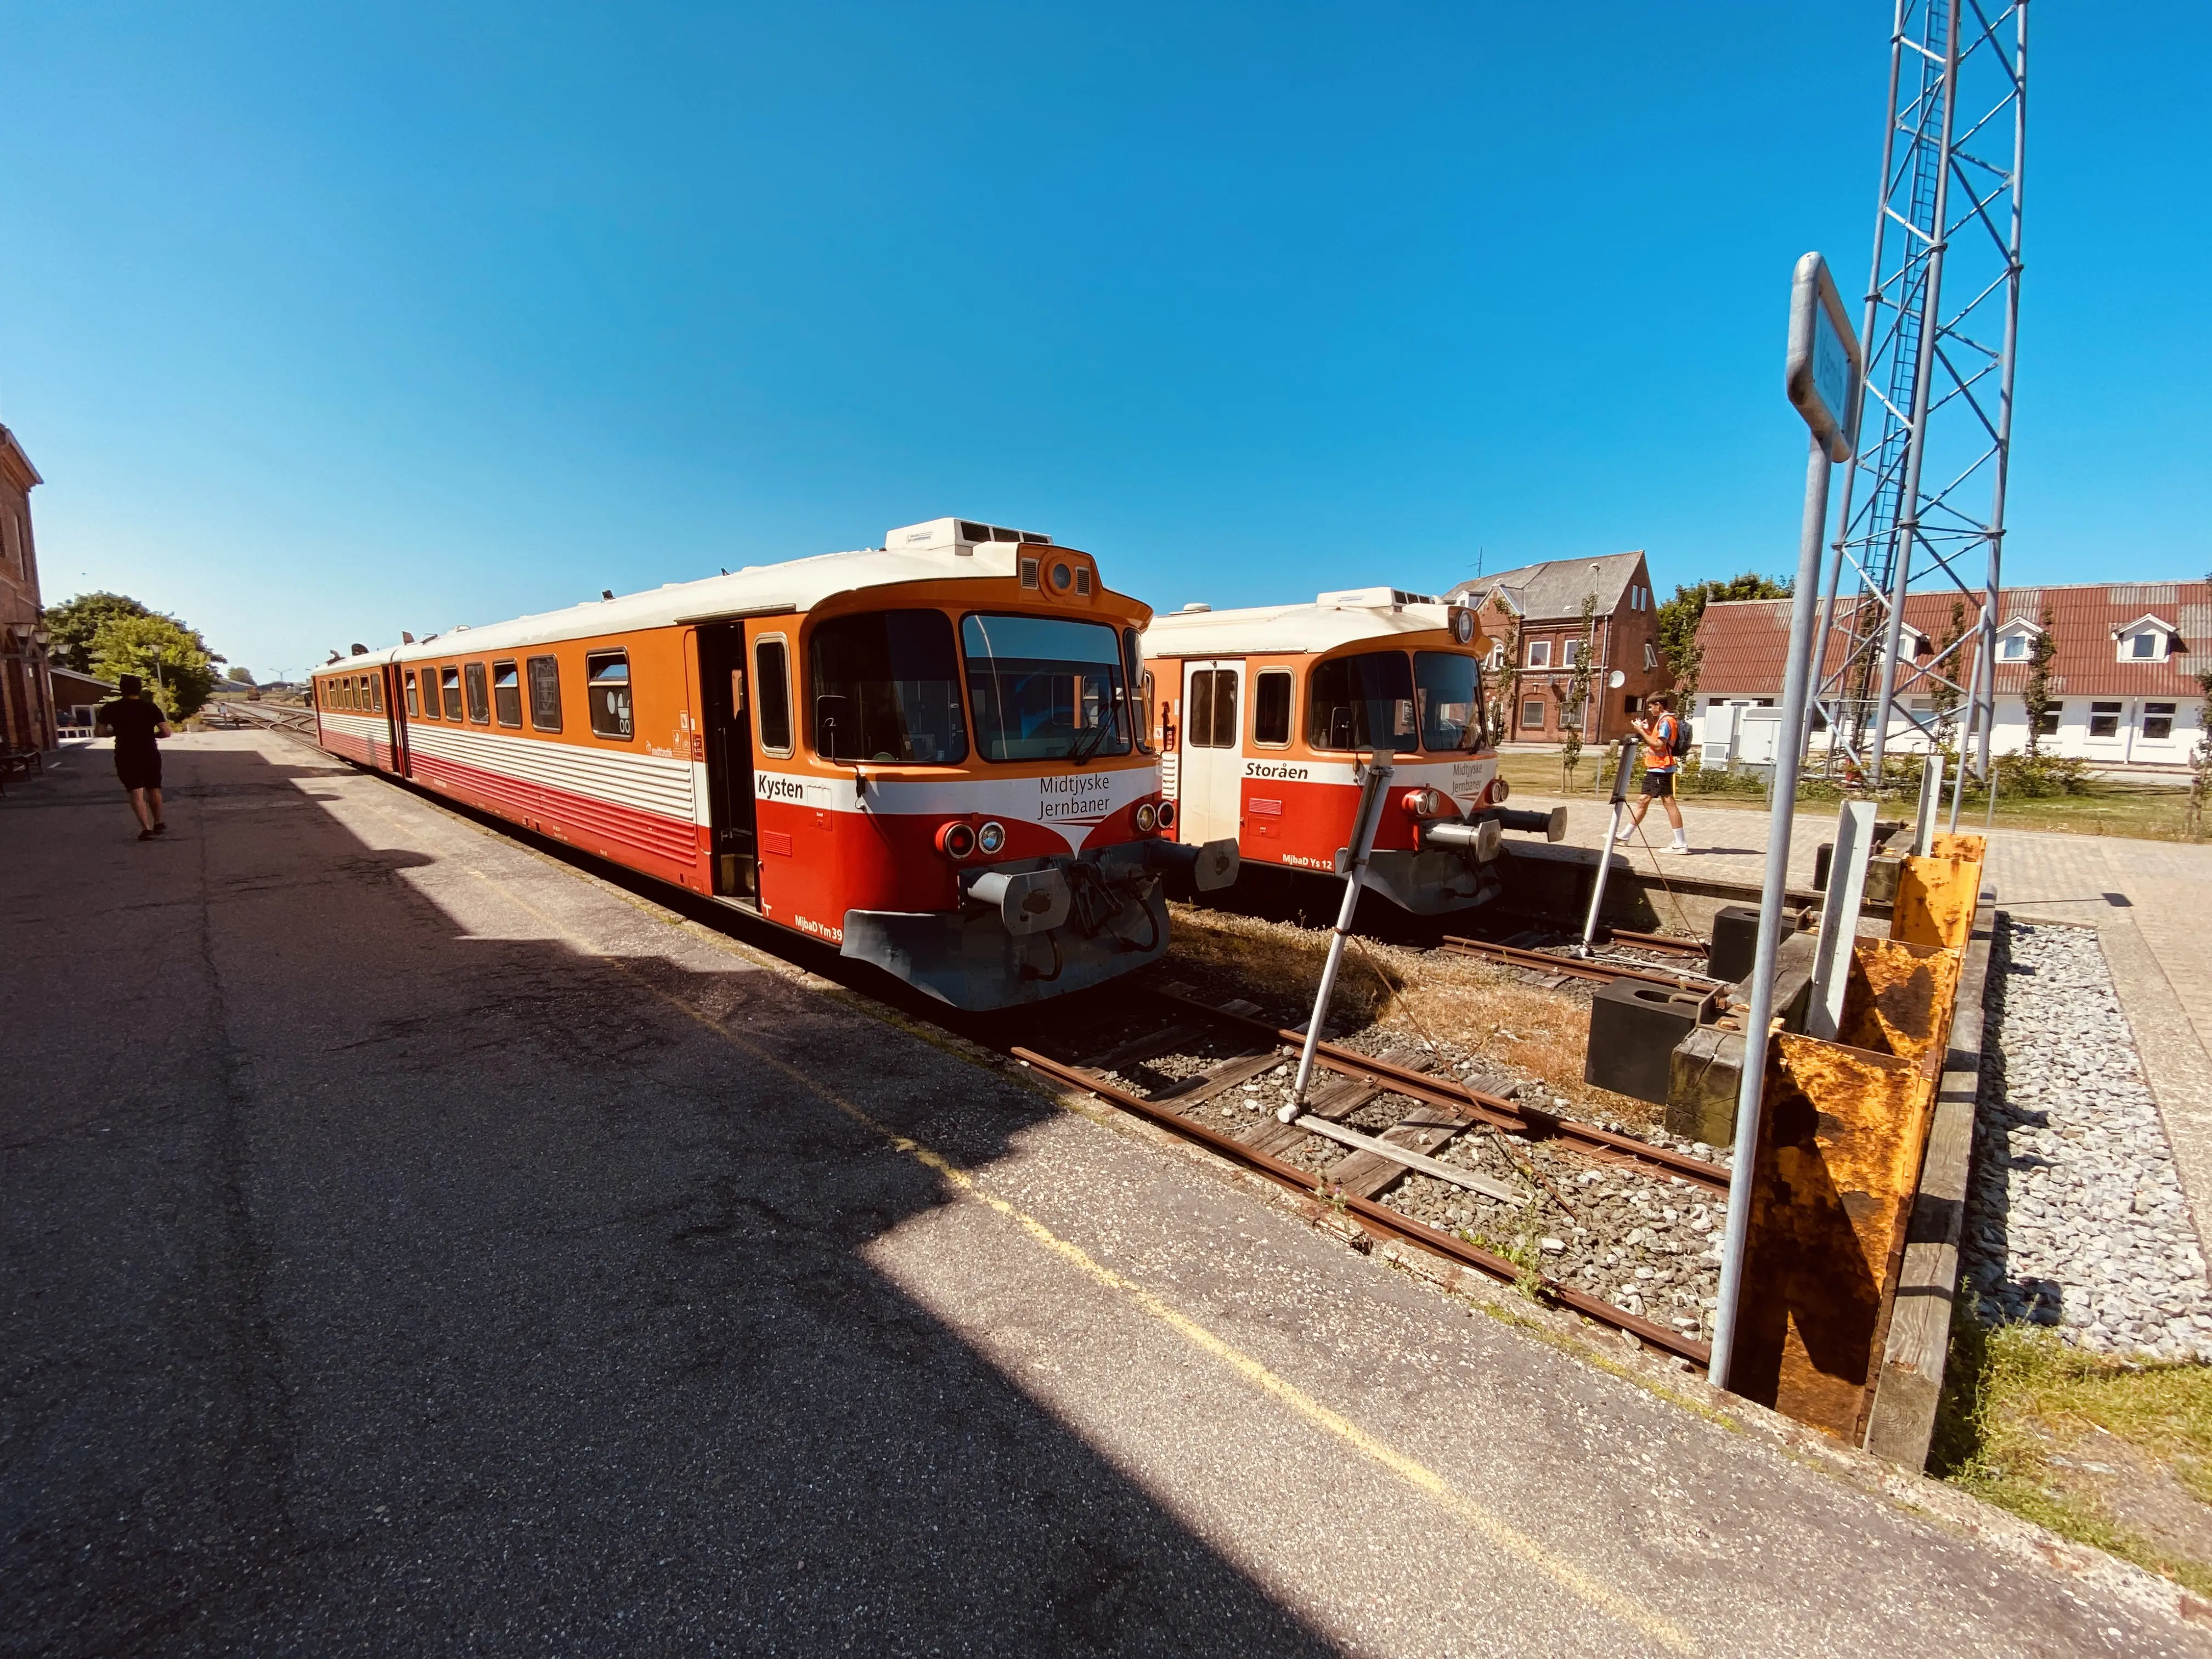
[1604, 969]
[1440, 1113]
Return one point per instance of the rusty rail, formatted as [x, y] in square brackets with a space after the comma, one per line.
[1494, 1110]
[1668, 942]
[1543, 961]
[1375, 1216]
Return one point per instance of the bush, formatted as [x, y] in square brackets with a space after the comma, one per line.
[2037, 776]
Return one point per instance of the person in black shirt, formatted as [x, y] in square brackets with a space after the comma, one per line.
[136, 720]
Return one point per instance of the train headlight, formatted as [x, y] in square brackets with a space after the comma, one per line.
[991, 839]
[1148, 818]
[957, 840]
[1499, 789]
[1425, 804]
[1462, 625]
[1166, 816]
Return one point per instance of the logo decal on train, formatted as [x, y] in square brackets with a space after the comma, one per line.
[1076, 797]
[1253, 768]
[775, 788]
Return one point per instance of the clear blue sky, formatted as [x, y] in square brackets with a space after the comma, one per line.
[322, 326]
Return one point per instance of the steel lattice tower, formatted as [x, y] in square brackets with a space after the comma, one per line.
[1934, 430]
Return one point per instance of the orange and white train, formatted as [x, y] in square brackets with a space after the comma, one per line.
[1265, 717]
[934, 754]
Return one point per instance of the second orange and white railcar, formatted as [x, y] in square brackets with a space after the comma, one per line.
[1265, 716]
[930, 754]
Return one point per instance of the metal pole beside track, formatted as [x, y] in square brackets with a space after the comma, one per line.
[1363, 824]
[1803, 611]
[1612, 832]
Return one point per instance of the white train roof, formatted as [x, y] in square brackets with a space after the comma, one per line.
[1345, 617]
[942, 549]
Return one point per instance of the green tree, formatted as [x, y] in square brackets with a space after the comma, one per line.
[173, 659]
[243, 676]
[1505, 693]
[2200, 757]
[1678, 619]
[2035, 694]
[71, 624]
[1577, 702]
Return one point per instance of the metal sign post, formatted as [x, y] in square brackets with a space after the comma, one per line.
[1821, 376]
[1611, 835]
[1364, 822]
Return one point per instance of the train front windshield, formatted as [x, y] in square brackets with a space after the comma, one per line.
[1447, 686]
[1044, 689]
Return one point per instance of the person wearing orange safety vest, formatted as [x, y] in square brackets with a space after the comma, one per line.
[1665, 739]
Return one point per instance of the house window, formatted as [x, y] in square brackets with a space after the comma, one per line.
[2104, 719]
[1540, 653]
[449, 691]
[772, 688]
[2012, 647]
[1650, 656]
[1532, 712]
[544, 694]
[2142, 646]
[606, 693]
[1630, 703]
[1496, 654]
[2158, 720]
[472, 676]
[1570, 653]
[2048, 726]
[1271, 708]
[507, 693]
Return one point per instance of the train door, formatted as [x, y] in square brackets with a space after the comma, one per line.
[729, 743]
[395, 714]
[1210, 784]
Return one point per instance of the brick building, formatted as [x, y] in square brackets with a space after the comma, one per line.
[1546, 601]
[26, 702]
[2123, 684]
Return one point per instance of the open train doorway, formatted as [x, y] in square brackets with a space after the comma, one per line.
[724, 711]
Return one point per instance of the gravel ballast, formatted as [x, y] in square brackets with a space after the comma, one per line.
[2076, 1217]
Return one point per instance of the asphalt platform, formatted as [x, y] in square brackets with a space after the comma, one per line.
[410, 1243]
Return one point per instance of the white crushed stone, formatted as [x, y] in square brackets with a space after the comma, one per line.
[2076, 1217]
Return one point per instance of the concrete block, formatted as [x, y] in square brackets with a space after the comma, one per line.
[1705, 1069]
[1634, 1028]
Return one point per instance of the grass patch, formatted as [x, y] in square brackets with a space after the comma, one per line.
[2109, 1453]
[1463, 1002]
[2142, 809]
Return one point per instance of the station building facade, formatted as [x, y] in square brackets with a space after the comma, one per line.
[1541, 605]
[2123, 682]
[26, 701]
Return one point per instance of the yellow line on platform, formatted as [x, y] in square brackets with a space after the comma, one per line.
[1498, 1533]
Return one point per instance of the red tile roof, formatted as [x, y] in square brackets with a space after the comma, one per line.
[1745, 640]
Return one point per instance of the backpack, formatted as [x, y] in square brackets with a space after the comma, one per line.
[1678, 740]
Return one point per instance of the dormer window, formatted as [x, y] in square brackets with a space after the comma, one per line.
[2147, 638]
[2015, 647]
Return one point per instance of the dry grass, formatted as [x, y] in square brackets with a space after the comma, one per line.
[2115, 1455]
[1461, 1003]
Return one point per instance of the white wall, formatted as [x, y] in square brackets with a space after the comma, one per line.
[2128, 743]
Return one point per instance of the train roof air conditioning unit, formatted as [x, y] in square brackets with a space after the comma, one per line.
[960, 536]
[1373, 598]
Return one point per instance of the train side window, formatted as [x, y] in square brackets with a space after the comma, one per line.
[772, 693]
[376, 693]
[544, 694]
[507, 693]
[1133, 662]
[606, 693]
[449, 686]
[472, 676]
[1271, 708]
[414, 705]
